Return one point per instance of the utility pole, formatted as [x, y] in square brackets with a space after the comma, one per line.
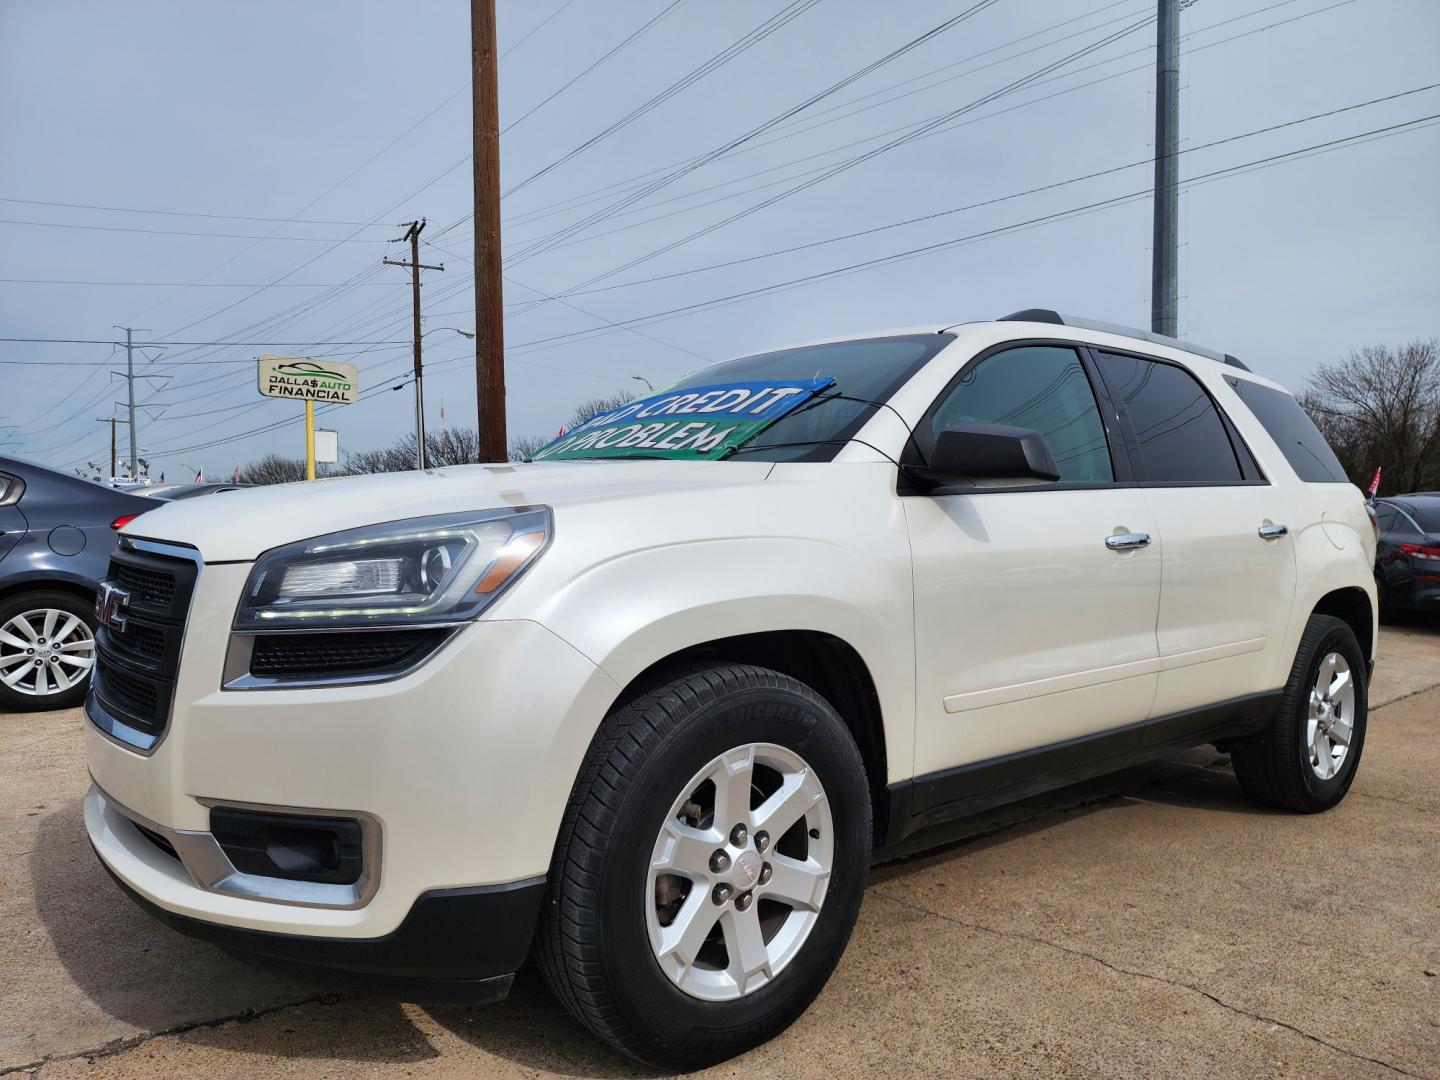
[1165, 246]
[130, 388]
[412, 233]
[489, 294]
[129, 376]
[112, 421]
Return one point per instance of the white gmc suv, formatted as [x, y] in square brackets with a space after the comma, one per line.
[647, 706]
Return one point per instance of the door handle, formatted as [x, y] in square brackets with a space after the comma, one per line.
[1127, 541]
[1273, 532]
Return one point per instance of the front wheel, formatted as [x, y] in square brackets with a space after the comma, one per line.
[1307, 759]
[709, 867]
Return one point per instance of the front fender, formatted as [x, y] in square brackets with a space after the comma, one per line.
[634, 606]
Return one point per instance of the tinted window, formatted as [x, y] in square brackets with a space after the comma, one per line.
[1387, 517]
[1182, 438]
[864, 371]
[1294, 433]
[1426, 515]
[1039, 387]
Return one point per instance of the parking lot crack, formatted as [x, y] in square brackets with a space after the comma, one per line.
[1033, 939]
[119, 1046]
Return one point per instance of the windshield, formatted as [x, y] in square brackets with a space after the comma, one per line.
[821, 396]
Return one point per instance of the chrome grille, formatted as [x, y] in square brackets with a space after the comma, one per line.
[138, 643]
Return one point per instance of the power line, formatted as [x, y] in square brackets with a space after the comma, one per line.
[194, 284]
[949, 24]
[188, 232]
[1015, 227]
[745, 42]
[586, 71]
[1007, 197]
[1011, 87]
[544, 211]
[914, 124]
[562, 205]
[1266, 162]
[178, 213]
[106, 341]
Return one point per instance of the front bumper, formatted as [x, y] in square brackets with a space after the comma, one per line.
[459, 771]
[455, 947]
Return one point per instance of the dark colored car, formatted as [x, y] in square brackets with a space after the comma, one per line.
[1407, 560]
[170, 492]
[56, 536]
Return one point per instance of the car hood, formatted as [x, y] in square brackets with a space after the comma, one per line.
[237, 526]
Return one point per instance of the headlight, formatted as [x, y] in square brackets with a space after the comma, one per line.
[443, 569]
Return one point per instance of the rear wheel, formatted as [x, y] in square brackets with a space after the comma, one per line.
[709, 867]
[47, 650]
[1307, 760]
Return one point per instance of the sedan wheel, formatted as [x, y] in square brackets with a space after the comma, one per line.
[45, 652]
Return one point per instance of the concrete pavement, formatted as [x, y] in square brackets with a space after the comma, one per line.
[1152, 923]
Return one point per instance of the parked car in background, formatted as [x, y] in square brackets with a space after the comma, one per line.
[171, 492]
[1407, 561]
[56, 536]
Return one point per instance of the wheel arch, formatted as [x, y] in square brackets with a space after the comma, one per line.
[1352, 606]
[77, 587]
[828, 664]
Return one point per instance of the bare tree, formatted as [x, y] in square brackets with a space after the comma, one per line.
[273, 469]
[595, 406]
[453, 446]
[523, 447]
[1380, 407]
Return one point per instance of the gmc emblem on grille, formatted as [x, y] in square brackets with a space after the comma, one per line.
[109, 603]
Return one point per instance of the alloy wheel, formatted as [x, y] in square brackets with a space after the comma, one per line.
[739, 872]
[1329, 727]
[45, 652]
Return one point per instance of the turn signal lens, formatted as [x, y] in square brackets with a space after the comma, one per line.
[511, 557]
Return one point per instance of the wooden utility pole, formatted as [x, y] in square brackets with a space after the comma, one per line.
[1165, 250]
[112, 421]
[489, 295]
[412, 233]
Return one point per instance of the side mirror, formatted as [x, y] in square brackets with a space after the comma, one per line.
[987, 455]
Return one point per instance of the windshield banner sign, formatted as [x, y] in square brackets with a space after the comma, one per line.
[697, 423]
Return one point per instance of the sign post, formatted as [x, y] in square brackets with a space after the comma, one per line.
[303, 378]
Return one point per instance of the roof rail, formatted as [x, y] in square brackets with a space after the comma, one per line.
[1054, 318]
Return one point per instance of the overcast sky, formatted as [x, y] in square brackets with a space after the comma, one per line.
[310, 130]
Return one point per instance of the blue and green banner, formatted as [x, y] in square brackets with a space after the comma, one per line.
[697, 423]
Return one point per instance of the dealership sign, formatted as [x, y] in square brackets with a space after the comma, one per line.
[305, 379]
[700, 422]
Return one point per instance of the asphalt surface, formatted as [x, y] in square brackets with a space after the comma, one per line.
[1155, 923]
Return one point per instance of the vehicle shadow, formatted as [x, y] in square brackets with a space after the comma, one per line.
[149, 977]
[533, 1030]
[144, 974]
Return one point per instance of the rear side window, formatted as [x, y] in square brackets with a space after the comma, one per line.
[1427, 517]
[1041, 387]
[1294, 433]
[1388, 518]
[1181, 437]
